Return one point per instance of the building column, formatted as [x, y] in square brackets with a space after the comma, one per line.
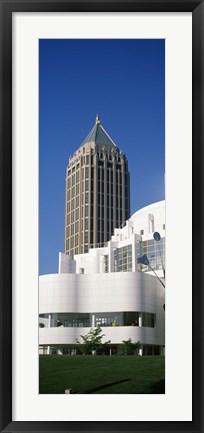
[123, 190]
[95, 216]
[93, 321]
[49, 320]
[110, 258]
[49, 326]
[134, 253]
[89, 203]
[105, 198]
[81, 248]
[140, 319]
[114, 193]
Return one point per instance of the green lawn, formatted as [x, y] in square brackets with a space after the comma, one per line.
[101, 374]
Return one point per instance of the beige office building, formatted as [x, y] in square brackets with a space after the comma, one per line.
[97, 192]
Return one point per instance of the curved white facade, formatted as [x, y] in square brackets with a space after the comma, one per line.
[126, 292]
[90, 292]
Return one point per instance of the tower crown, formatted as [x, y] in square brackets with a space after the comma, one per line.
[98, 135]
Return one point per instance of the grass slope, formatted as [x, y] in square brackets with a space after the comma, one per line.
[101, 374]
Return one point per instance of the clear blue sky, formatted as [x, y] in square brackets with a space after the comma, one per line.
[123, 81]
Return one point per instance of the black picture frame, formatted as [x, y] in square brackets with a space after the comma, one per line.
[7, 7]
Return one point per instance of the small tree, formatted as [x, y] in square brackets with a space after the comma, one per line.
[92, 341]
[129, 348]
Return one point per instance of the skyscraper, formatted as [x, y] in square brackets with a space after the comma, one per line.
[97, 192]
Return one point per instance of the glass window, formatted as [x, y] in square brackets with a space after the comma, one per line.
[86, 172]
[123, 259]
[106, 263]
[148, 320]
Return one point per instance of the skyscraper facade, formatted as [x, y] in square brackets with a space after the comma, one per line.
[97, 192]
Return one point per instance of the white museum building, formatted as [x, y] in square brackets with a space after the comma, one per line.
[107, 287]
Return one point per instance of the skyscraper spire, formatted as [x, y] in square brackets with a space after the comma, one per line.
[97, 120]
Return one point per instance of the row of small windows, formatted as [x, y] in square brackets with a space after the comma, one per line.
[72, 192]
[110, 173]
[109, 188]
[75, 178]
[73, 216]
[72, 242]
[73, 204]
[71, 230]
[74, 320]
[109, 226]
[86, 224]
[100, 152]
[142, 232]
[74, 227]
[73, 211]
[86, 159]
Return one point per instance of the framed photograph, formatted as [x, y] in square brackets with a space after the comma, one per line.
[101, 162]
